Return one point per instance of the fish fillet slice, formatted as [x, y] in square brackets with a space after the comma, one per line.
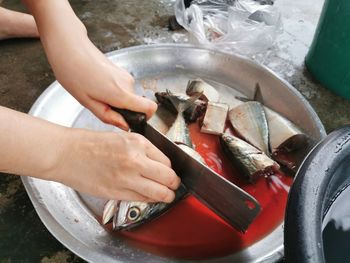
[215, 118]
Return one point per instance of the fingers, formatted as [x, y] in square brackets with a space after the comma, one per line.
[120, 94]
[152, 190]
[107, 115]
[133, 102]
[155, 154]
[137, 103]
[148, 148]
[161, 174]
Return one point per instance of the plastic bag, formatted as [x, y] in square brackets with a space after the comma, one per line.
[244, 26]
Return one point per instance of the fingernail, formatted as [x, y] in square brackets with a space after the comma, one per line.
[122, 125]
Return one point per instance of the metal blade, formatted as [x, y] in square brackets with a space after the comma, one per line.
[227, 200]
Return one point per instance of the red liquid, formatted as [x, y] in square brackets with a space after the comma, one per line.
[191, 231]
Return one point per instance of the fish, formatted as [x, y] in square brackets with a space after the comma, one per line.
[209, 93]
[250, 123]
[195, 111]
[191, 114]
[127, 215]
[215, 118]
[288, 144]
[250, 161]
[178, 132]
[283, 133]
[162, 119]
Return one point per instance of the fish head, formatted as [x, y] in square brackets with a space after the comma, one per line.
[130, 214]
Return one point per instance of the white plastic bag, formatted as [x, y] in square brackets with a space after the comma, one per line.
[244, 26]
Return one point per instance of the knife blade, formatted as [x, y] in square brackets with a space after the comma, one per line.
[227, 200]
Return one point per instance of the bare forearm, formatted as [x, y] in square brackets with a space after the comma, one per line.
[56, 19]
[81, 68]
[62, 34]
[29, 146]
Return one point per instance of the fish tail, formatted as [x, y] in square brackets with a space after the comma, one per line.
[182, 105]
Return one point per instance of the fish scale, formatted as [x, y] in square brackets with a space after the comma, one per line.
[249, 121]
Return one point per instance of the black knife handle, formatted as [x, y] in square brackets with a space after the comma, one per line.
[136, 120]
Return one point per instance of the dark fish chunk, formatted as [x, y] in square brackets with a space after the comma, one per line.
[251, 162]
[191, 114]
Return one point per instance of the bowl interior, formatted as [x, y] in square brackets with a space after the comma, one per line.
[73, 218]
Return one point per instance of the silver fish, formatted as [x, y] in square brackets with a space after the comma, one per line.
[289, 145]
[129, 214]
[249, 121]
[283, 133]
[215, 118]
[250, 161]
[209, 93]
[178, 132]
[191, 114]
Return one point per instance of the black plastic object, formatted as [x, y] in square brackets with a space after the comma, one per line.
[318, 180]
[136, 120]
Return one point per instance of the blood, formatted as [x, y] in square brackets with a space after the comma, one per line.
[191, 231]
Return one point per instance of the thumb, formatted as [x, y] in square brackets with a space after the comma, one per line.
[107, 115]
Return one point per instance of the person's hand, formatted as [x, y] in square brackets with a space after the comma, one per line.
[97, 84]
[122, 166]
[81, 68]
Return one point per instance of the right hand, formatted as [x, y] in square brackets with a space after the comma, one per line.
[121, 166]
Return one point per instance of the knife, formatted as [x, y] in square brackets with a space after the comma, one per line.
[231, 203]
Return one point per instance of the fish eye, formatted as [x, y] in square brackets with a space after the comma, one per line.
[134, 213]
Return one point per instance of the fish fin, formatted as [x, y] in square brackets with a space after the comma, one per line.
[243, 99]
[182, 105]
[256, 97]
[257, 94]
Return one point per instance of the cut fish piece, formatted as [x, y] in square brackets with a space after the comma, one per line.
[195, 111]
[215, 118]
[191, 114]
[283, 133]
[249, 121]
[250, 161]
[209, 93]
[289, 145]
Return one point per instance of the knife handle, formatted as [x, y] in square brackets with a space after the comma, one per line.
[136, 120]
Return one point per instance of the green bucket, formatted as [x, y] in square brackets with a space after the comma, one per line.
[328, 59]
